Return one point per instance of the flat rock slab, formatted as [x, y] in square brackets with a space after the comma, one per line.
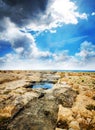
[41, 113]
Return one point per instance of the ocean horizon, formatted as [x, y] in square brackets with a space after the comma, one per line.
[74, 70]
[52, 70]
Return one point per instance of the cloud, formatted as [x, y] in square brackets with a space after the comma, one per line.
[22, 43]
[40, 15]
[65, 11]
[28, 56]
[18, 17]
[58, 13]
[62, 56]
[16, 38]
[14, 62]
[84, 60]
[36, 64]
[93, 14]
[22, 11]
[87, 50]
[87, 55]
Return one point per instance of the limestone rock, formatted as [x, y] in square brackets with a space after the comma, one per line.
[69, 105]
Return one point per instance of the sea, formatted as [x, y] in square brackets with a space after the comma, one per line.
[71, 70]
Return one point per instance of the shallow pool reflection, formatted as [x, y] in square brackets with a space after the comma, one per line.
[43, 85]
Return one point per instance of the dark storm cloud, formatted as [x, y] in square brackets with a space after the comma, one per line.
[22, 11]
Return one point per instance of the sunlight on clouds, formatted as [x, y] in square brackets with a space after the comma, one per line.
[62, 6]
[58, 12]
[64, 11]
[27, 55]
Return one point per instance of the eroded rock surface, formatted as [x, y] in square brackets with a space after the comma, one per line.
[69, 105]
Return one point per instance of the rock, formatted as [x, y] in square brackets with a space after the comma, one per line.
[43, 113]
[65, 96]
[65, 114]
[51, 78]
[7, 111]
[43, 116]
[41, 95]
[74, 125]
[62, 107]
[60, 129]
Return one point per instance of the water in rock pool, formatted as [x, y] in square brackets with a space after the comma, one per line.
[43, 85]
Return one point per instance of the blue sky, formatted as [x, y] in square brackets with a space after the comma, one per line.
[49, 34]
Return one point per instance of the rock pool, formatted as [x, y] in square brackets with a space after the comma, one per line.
[43, 85]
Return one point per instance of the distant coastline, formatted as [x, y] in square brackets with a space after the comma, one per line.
[74, 70]
[54, 70]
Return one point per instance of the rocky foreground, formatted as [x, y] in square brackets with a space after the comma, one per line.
[68, 105]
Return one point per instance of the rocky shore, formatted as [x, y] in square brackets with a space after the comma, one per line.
[68, 105]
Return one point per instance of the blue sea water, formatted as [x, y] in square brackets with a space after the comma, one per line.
[72, 70]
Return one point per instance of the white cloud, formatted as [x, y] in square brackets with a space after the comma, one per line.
[87, 50]
[65, 11]
[58, 12]
[28, 56]
[93, 14]
[84, 60]
[12, 32]
[53, 31]
[14, 62]
[87, 46]
[87, 55]
[22, 43]
[19, 50]
[62, 56]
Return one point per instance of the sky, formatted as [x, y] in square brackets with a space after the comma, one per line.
[47, 35]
